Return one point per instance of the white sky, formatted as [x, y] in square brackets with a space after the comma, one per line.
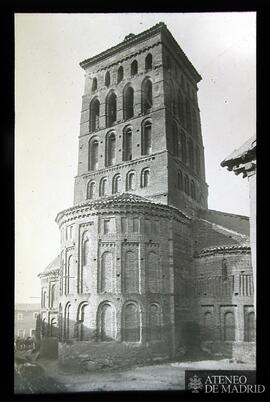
[49, 85]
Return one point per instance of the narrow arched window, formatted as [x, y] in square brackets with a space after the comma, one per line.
[194, 123]
[131, 181]
[148, 62]
[128, 102]
[147, 138]
[116, 184]
[127, 145]
[229, 327]
[53, 296]
[155, 322]
[180, 180]
[147, 100]
[93, 154]
[67, 321]
[145, 179]
[111, 145]
[111, 109]
[94, 114]
[250, 327]
[94, 84]
[106, 272]
[60, 320]
[192, 190]
[180, 106]
[131, 323]
[81, 327]
[85, 251]
[188, 116]
[120, 74]
[91, 189]
[191, 154]
[107, 79]
[107, 322]
[134, 68]
[186, 185]
[175, 140]
[103, 190]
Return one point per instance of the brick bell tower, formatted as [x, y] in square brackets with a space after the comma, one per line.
[140, 126]
[126, 249]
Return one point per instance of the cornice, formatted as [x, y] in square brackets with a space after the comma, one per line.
[239, 249]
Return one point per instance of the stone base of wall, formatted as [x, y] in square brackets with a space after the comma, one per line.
[242, 351]
[87, 356]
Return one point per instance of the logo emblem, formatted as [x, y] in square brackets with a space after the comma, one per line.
[195, 383]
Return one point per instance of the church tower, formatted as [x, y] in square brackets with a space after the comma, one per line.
[140, 124]
[126, 249]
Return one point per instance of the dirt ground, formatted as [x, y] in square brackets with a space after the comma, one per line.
[167, 376]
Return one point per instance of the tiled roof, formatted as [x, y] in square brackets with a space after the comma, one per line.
[52, 267]
[224, 249]
[244, 154]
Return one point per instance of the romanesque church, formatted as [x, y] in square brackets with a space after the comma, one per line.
[145, 271]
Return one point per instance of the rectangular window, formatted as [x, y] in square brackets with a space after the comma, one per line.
[20, 316]
[21, 333]
[107, 226]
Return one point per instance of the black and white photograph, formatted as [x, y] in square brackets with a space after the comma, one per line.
[135, 202]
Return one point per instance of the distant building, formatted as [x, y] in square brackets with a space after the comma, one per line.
[25, 319]
[146, 270]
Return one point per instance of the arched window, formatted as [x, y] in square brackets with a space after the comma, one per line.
[94, 114]
[53, 328]
[107, 322]
[224, 269]
[130, 181]
[147, 99]
[208, 325]
[154, 274]
[191, 154]
[107, 79]
[106, 272]
[91, 188]
[110, 109]
[60, 320]
[93, 154]
[53, 296]
[131, 323]
[145, 178]
[130, 273]
[192, 190]
[148, 62]
[175, 150]
[111, 145]
[85, 251]
[134, 68]
[155, 322]
[44, 298]
[68, 275]
[188, 115]
[250, 327]
[194, 124]
[94, 84]
[128, 102]
[127, 145]
[116, 184]
[67, 321]
[181, 112]
[180, 180]
[186, 185]
[229, 327]
[147, 138]
[81, 327]
[103, 189]
[120, 74]
[198, 161]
